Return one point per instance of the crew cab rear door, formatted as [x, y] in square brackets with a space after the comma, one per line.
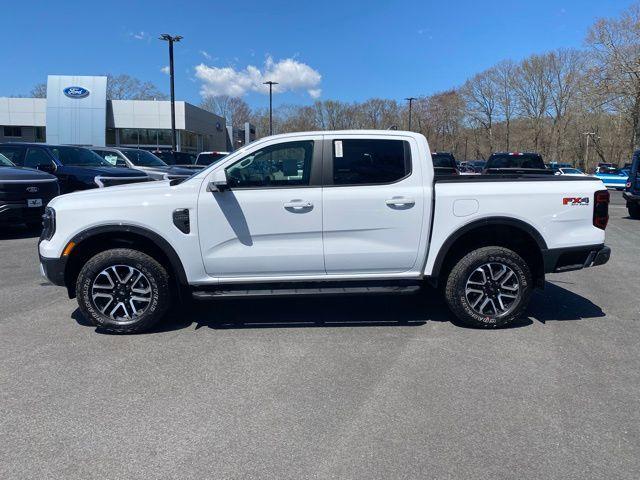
[268, 222]
[373, 204]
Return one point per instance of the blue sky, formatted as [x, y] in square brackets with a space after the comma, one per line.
[346, 50]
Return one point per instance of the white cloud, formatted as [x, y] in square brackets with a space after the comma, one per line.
[290, 74]
[205, 54]
[165, 69]
[139, 35]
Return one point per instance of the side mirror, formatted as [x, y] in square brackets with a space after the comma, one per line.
[218, 182]
[46, 167]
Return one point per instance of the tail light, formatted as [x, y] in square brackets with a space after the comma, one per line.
[601, 209]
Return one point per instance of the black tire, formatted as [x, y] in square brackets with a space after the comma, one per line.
[467, 268]
[634, 210]
[154, 283]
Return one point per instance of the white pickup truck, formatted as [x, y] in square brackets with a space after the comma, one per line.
[322, 213]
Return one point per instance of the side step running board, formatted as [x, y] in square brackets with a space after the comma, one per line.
[305, 291]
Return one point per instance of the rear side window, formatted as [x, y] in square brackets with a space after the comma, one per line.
[443, 160]
[370, 162]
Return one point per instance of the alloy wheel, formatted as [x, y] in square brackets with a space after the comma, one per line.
[121, 292]
[492, 289]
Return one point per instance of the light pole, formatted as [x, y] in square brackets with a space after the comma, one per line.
[586, 155]
[271, 84]
[410, 100]
[171, 39]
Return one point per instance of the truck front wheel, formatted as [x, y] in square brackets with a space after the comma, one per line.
[123, 290]
[489, 287]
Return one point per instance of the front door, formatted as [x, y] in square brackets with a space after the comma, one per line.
[269, 221]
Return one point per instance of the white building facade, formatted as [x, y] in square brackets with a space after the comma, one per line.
[77, 112]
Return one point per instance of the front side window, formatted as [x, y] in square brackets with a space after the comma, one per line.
[36, 157]
[5, 162]
[112, 157]
[282, 165]
[369, 162]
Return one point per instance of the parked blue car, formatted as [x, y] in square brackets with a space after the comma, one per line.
[613, 177]
[632, 193]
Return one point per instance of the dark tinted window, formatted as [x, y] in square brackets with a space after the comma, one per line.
[521, 160]
[443, 160]
[79, 157]
[282, 165]
[13, 153]
[12, 131]
[36, 157]
[209, 158]
[142, 158]
[359, 162]
[5, 162]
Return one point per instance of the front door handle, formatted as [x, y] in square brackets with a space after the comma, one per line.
[298, 204]
[400, 201]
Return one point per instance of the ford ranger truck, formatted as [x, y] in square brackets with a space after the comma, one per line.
[321, 213]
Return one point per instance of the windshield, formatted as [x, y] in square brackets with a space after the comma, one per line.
[210, 158]
[5, 162]
[570, 170]
[143, 158]
[78, 157]
[521, 160]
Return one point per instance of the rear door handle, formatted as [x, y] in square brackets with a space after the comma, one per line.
[298, 204]
[400, 201]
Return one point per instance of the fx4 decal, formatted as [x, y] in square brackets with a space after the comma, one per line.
[575, 201]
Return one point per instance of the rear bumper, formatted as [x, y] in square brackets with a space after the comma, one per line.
[575, 258]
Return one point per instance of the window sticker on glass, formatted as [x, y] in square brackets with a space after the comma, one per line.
[339, 153]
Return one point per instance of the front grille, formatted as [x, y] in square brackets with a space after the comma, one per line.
[20, 191]
[113, 181]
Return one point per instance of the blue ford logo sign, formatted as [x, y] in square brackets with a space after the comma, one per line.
[76, 92]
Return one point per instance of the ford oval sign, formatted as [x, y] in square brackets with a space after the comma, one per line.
[76, 92]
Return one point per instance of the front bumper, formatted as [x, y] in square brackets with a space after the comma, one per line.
[14, 212]
[630, 197]
[53, 269]
[575, 258]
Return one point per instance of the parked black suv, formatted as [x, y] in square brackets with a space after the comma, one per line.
[24, 193]
[632, 190]
[77, 168]
[516, 163]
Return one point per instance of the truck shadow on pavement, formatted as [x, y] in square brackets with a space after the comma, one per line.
[18, 233]
[554, 303]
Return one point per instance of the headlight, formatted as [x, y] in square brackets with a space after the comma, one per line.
[48, 224]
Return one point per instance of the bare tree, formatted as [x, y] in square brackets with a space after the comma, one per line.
[481, 94]
[234, 109]
[39, 90]
[126, 87]
[503, 77]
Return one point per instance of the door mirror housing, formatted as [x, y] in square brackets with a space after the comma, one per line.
[47, 167]
[218, 181]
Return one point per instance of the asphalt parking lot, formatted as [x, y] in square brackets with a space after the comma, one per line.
[365, 387]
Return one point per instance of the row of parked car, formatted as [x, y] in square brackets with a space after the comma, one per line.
[31, 174]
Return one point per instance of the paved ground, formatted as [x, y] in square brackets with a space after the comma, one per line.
[340, 388]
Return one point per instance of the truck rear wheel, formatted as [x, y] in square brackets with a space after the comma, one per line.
[123, 290]
[634, 210]
[489, 287]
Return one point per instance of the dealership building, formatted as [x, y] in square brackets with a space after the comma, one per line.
[76, 112]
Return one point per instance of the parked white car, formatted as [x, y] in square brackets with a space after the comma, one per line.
[322, 213]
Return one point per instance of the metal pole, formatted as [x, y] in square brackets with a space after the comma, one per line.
[171, 39]
[271, 84]
[173, 97]
[410, 99]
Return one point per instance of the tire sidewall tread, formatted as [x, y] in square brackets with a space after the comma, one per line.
[155, 273]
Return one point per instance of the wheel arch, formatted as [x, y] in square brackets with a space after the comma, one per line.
[507, 232]
[104, 237]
